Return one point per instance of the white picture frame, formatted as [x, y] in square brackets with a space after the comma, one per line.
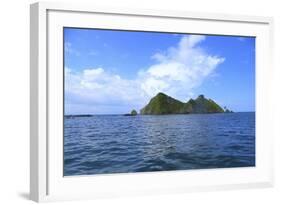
[46, 177]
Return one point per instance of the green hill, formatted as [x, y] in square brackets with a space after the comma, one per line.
[164, 104]
[203, 105]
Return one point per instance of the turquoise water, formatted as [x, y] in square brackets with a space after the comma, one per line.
[119, 144]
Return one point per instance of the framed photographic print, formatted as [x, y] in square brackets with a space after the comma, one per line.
[127, 102]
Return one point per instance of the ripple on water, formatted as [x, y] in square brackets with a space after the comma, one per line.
[119, 144]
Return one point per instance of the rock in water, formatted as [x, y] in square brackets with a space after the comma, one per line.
[134, 112]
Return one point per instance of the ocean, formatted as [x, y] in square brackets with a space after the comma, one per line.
[103, 144]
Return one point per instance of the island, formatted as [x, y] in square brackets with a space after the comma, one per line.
[163, 104]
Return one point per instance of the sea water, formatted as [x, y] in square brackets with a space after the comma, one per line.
[102, 144]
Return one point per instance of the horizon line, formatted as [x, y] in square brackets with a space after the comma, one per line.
[151, 114]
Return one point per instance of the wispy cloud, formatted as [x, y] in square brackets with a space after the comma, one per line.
[241, 39]
[177, 71]
[68, 48]
[93, 53]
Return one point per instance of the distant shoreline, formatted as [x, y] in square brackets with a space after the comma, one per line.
[91, 115]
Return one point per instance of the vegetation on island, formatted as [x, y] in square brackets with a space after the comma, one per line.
[163, 104]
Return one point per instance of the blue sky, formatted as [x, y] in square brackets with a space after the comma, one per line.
[113, 72]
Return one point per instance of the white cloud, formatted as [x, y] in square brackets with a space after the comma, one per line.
[95, 89]
[176, 72]
[181, 69]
